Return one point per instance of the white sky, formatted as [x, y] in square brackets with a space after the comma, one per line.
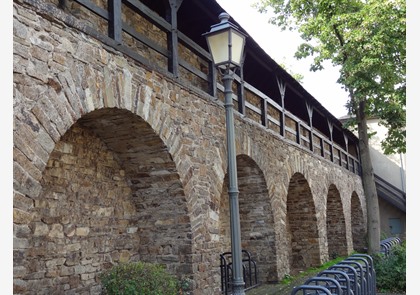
[281, 46]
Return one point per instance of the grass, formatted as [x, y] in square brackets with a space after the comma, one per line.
[288, 279]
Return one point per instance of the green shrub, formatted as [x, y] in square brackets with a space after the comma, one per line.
[391, 270]
[138, 278]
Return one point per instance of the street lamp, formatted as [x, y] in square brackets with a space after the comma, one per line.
[226, 44]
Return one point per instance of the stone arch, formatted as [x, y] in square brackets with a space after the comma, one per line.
[358, 227]
[302, 225]
[256, 218]
[110, 193]
[336, 224]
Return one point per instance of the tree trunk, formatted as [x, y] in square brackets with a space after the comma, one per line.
[372, 205]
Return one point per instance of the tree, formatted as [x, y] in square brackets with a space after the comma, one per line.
[366, 40]
[298, 77]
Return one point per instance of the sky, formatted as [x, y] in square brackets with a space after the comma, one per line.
[281, 46]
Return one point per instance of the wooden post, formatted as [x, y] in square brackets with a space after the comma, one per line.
[172, 17]
[346, 141]
[282, 89]
[331, 127]
[310, 110]
[115, 25]
[264, 120]
[241, 94]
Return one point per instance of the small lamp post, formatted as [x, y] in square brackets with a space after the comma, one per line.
[226, 44]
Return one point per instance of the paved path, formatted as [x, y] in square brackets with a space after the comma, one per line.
[269, 289]
[279, 289]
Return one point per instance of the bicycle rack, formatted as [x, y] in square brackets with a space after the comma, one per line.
[318, 290]
[361, 274]
[329, 283]
[341, 277]
[249, 271]
[371, 285]
[355, 275]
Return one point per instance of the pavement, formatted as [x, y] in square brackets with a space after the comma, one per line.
[281, 289]
[278, 289]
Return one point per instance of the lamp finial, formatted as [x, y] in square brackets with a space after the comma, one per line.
[224, 17]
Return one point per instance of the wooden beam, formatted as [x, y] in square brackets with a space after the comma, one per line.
[282, 89]
[310, 109]
[173, 38]
[264, 121]
[115, 22]
[241, 94]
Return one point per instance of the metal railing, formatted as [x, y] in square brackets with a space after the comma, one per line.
[249, 271]
[355, 275]
[389, 243]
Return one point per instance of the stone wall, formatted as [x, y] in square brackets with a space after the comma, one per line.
[114, 162]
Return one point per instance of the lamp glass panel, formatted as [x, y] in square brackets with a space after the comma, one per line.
[238, 42]
[219, 46]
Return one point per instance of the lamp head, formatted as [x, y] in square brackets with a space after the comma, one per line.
[226, 43]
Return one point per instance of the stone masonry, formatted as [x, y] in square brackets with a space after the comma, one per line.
[116, 162]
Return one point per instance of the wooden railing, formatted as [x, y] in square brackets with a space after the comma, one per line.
[180, 58]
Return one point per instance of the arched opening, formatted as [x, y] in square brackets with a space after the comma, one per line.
[110, 194]
[358, 228]
[256, 218]
[336, 224]
[302, 225]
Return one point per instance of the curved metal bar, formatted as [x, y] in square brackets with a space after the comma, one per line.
[318, 289]
[327, 283]
[339, 276]
[352, 273]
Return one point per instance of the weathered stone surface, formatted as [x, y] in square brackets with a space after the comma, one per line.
[114, 162]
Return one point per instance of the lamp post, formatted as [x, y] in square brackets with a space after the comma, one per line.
[226, 44]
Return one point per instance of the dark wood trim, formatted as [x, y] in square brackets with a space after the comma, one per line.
[115, 22]
[282, 89]
[93, 8]
[193, 70]
[310, 109]
[173, 38]
[264, 120]
[145, 40]
[149, 14]
[241, 94]
[298, 132]
[169, 26]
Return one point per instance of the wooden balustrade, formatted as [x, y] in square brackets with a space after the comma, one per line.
[184, 60]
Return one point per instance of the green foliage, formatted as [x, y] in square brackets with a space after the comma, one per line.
[138, 278]
[367, 41]
[287, 279]
[391, 270]
[298, 77]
